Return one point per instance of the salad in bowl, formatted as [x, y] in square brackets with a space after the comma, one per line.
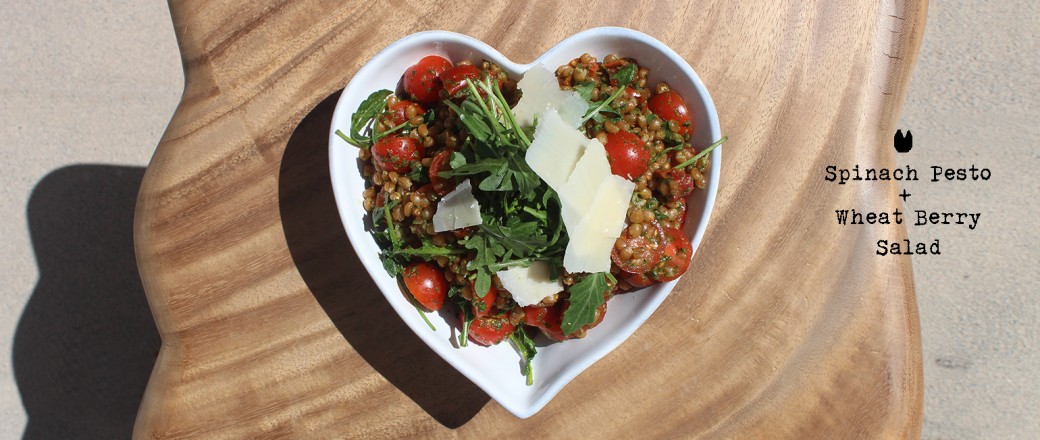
[515, 206]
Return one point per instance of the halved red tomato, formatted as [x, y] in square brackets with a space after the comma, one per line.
[483, 306]
[680, 184]
[490, 330]
[399, 112]
[638, 280]
[640, 253]
[627, 154]
[397, 153]
[442, 185]
[635, 94]
[676, 256]
[547, 319]
[422, 80]
[671, 107]
[455, 78]
[427, 284]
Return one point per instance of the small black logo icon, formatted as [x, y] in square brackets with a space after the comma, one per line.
[903, 144]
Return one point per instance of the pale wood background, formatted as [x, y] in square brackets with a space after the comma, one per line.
[789, 327]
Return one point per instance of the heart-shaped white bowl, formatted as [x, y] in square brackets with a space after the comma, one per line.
[497, 369]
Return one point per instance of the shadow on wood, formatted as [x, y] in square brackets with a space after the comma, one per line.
[86, 342]
[326, 261]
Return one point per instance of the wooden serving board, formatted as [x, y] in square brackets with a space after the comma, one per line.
[788, 325]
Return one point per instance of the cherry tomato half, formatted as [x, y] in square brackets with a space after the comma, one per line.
[422, 80]
[680, 184]
[671, 107]
[547, 319]
[550, 319]
[676, 256]
[483, 306]
[639, 253]
[638, 280]
[490, 330]
[397, 153]
[399, 112]
[455, 78]
[635, 94]
[627, 154]
[427, 284]
[442, 185]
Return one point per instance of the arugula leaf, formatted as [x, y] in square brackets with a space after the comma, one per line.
[415, 303]
[702, 154]
[368, 110]
[594, 113]
[476, 126]
[625, 75]
[391, 265]
[361, 120]
[427, 251]
[457, 160]
[469, 169]
[391, 230]
[516, 236]
[658, 154]
[467, 319]
[405, 126]
[525, 346]
[586, 296]
[486, 249]
[584, 89]
[499, 179]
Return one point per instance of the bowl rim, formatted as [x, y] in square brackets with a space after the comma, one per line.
[342, 112]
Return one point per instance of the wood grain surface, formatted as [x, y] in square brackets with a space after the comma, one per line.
[788, 325]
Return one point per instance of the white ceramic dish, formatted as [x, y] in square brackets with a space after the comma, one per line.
[497, 369]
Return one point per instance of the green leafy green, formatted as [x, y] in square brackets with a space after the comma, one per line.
[467, 319]
[486, 251]
[415, 304]
[584, 89]
[525, 346]
[601, 106]
[586, 296]
[520, 213]
[625, 75]
[427, 251]
[390, 264]
[361, 120]
[702, 154]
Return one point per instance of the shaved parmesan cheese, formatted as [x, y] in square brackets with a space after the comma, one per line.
[580, 190]
[541, 91]
[529, 285]
[457, 210]
[610, 206]
[593, 237]
[595, 201]
[588, 249]
[572, 108]
[555, 149]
